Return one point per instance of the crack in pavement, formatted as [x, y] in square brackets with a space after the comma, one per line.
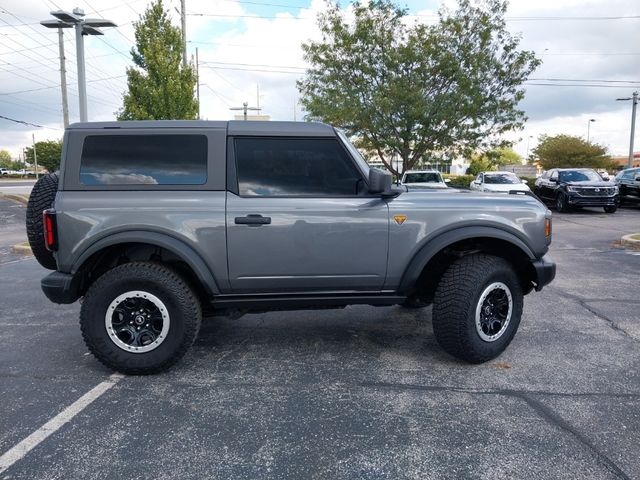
[584, 304]
[542, 410]
[554, 419]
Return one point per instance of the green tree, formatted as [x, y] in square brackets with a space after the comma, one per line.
[416, 90]
[5, 159]
[48, 153]
[493, 160]
[562, 151]
[159, 87]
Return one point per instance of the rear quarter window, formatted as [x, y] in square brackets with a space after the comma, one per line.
[144, 160]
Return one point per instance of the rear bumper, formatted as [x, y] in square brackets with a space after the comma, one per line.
[61, 287]
[545, 272]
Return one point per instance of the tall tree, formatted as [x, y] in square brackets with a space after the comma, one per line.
[5, 159]
[159, 87]
[48, 153]
[408, 89]
[562, 151]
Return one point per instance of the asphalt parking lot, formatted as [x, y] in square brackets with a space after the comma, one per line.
[357, 393]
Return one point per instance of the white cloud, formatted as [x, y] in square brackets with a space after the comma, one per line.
[244, 46]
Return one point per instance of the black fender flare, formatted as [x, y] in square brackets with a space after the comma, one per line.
[172, 244]
[442, 240]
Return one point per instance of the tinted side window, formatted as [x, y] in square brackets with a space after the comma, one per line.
[294, 166]
[144, 159]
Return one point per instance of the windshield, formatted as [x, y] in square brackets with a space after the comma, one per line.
[501, 178]
[580, 176]
[357, 156]
[422, 177]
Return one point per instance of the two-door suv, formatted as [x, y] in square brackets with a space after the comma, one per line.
[153, 223]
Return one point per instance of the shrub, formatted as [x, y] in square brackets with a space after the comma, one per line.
[459, 181]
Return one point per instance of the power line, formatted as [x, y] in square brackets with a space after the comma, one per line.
[582, 80]
[253, 70]
[253, 65]
[29, 124]
[576, 85]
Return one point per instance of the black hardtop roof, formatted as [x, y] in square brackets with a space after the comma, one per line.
[233, 127]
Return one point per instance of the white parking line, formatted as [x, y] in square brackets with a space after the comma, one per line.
[19, 450]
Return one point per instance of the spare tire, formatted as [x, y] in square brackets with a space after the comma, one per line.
[41, 198]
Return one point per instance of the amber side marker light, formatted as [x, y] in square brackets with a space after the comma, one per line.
[50, 226]
[547, 227]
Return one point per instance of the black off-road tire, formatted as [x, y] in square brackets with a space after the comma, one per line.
[42, 196]
[454, 307]
[182, 305]
[561, 203]
[611, 209]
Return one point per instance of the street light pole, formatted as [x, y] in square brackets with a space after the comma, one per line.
[83, 26]
[634, 103]
[63, 79]
[588, 127]
[528, 139]
[82, 80]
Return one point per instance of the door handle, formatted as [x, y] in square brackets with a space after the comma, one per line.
[253, 220]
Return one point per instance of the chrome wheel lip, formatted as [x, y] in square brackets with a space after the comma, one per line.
[478, 319]
[166, 321]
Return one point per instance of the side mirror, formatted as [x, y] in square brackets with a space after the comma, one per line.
[524, 181]
[379, 181]
[637, 178]
[447, 180]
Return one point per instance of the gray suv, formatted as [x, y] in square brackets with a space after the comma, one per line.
[157, 223]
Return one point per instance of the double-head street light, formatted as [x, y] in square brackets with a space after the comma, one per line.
[589, 127]
[83, 26]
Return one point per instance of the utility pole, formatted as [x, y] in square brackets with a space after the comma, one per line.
[63, 79]
[245, 107]
[589, 127]
[634, 103]
[198, 82]
[183, 20]
[83, 26]
[35, 156]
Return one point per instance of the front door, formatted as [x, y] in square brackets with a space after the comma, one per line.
[301, 219]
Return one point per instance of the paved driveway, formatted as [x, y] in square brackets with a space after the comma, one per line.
[357, 393]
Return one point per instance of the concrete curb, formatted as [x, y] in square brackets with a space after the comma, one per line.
[16, 197]
[22, 249]
[627, 241]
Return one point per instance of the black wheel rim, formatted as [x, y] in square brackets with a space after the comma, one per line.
[493, 312]
[137, 321]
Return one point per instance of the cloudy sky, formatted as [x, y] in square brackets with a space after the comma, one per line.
[590, 50]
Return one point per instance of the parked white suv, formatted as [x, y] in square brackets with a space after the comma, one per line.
[4, 171]
[499, 182]
[424, 178]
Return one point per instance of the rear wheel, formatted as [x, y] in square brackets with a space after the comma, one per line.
[140, 318]
[477, 308]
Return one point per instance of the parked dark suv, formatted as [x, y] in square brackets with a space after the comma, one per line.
[628, 182]
[576, 187]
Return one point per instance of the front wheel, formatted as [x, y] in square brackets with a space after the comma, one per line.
[140, 318]
[611, 209]
[561, 203]
[477, 308]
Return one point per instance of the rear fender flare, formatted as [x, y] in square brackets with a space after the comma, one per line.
[172, 244]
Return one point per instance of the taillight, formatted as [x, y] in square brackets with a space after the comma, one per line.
[50, 229]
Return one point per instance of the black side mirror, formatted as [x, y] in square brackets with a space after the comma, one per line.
[637, 178]
[379, 181]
